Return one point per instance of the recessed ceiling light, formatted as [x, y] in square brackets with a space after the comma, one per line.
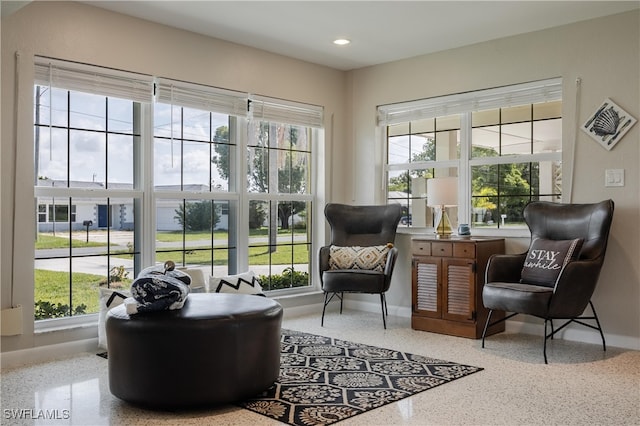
[341, 41]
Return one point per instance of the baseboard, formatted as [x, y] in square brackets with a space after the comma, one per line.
[46, 353]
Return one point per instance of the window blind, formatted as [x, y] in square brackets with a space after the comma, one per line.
[281, 111]
[92, 79]
[201, 97]
[501, 97]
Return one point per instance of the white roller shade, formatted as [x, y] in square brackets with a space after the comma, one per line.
[500, 97]
[281, 111]
[93, 79]
[201, 97]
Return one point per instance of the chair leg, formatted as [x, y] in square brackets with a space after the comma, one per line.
[386, 307]
[383, 303]
[544, 348]
[324, 306]
[486, 325]
[595, 316]
[491, 324]
[341, 299]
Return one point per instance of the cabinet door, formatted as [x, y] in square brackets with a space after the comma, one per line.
[458, 289]
[426, 287]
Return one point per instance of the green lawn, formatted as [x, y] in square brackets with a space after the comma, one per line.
[48, 241]
[53, 286]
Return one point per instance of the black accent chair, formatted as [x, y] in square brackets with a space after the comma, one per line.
[359, 226]
[567, 297]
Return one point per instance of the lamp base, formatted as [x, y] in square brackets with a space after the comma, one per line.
[443, 230]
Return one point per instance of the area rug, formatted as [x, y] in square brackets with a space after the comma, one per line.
[325, 380]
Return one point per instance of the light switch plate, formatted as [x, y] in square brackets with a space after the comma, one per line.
[614, 177]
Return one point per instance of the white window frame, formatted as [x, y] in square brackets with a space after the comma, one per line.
[141, 89]
[465, 104]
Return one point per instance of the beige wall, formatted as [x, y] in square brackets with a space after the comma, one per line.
[84, 33]
[605, 54]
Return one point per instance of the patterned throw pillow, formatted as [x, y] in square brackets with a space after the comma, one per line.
[245, 283]
[546, 259]
[372, 258]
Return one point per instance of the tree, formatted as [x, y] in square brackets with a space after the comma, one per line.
[509, 181]
[198, 216]
[402, 182]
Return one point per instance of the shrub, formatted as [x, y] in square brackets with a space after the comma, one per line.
[44, 310]
[288, 279]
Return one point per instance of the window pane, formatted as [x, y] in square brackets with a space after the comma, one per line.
[399, 149]
[258, 169]
[293, 176]
[87, 111]
[167, 168]
[87, 158]
[423, 126]
[196, 163]
[162, 120]
[120, 160]
[547, 136]
[223, 156]
[489, 117]
[485, 141]
[423, 147]
[51, 160]
[546, 110]
[516, 139]
[516, 114]
[398, 129]
[447, 145]
[120, 116]
[196, 125]
[451, 122]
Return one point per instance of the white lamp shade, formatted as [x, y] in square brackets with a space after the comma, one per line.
[442, 191]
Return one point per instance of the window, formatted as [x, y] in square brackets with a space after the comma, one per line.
[124, 180]
[196, 137]
[503, 144]
[87, 144]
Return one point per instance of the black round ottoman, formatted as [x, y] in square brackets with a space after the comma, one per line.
[218, 348]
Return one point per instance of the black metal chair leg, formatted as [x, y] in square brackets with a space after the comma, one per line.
[386, 307]
[383, 302]
[544, 350]
[486, 325]
[324, 306]
[595, 316]
[341, 299]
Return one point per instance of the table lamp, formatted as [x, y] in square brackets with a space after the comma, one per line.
[442, 193]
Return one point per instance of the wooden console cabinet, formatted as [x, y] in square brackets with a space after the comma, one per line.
[447, 280]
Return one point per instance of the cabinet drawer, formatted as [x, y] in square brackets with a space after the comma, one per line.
[441, 249]
[464, 250]
[421, 248]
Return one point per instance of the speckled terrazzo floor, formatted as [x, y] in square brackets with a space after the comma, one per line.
[582, 385]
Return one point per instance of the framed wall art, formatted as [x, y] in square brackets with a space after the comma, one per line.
[608, 124]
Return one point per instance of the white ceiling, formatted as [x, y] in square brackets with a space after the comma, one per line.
[380, 31]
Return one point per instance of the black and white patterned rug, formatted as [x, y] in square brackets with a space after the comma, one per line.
[325, 380]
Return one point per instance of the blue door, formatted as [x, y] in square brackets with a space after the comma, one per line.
[103, 216]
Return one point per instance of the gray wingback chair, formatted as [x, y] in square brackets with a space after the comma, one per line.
[567, 297]
[359, 226]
